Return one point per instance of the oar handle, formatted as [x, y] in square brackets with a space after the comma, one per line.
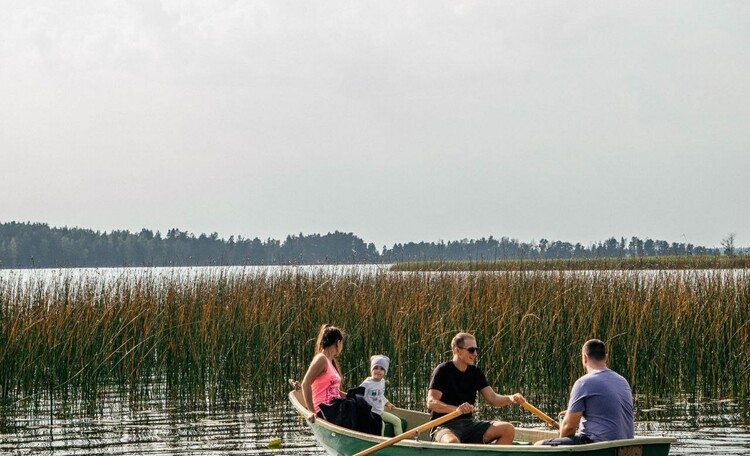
[541, 415]
[411, 433]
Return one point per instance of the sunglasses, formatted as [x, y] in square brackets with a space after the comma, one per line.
[471, 350]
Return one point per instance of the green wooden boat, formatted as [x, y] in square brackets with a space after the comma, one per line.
[340, 441]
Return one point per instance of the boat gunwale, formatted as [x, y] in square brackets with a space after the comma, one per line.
[416, 443]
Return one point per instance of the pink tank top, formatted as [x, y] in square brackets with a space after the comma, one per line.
[326, 386]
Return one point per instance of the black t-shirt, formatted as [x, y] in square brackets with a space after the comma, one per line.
[457, 387]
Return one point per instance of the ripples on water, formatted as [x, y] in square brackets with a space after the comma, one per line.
[717, 427]
[154, 427]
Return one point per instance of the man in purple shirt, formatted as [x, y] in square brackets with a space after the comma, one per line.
[601, 403]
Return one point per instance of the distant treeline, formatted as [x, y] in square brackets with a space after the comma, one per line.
[37, 245]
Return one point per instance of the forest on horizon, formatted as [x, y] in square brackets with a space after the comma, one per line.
[37, 245]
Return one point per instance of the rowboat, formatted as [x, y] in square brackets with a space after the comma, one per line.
[341, 441]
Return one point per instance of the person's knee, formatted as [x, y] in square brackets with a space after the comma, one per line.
[449, 438]
[500, 431]
[505, 428]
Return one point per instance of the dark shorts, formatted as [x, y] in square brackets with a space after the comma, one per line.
[571, 440]
[466, 430]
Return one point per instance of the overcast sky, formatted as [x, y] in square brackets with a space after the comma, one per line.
[398, 121]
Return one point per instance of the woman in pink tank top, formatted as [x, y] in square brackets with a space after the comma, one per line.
[322, 382]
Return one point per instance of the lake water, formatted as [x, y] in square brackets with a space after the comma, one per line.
[156, 426]
[160, 426]
[188, 272]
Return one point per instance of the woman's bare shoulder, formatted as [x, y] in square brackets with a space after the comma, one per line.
[319, 360]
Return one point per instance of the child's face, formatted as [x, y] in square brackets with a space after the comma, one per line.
[378, 372]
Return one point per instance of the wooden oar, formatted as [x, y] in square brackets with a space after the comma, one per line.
[541, 415]
[411, 433]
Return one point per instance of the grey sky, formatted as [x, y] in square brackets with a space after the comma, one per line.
[398, 121]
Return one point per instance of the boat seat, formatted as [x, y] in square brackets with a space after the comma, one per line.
[388, 428]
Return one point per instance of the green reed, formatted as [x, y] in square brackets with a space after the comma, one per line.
[222, 336]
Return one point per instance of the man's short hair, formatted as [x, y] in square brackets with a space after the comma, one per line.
[595, 349]
[458, 339]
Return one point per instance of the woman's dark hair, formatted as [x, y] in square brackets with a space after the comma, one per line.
[327, 336]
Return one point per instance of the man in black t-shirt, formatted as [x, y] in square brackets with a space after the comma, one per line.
[453, 386]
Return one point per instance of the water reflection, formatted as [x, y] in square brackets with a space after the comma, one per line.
[157, 427]
[701, 428]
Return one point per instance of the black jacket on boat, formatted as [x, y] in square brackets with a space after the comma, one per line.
[353, 412]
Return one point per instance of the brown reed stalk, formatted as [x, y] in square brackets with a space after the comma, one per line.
[221, 336]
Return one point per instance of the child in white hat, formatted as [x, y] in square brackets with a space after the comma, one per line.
[375, 392]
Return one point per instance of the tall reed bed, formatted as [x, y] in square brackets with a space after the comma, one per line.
[582, 264]
[216, 337]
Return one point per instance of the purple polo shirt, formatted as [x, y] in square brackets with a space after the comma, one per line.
[605, 399]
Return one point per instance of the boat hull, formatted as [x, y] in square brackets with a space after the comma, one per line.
[346, 442]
